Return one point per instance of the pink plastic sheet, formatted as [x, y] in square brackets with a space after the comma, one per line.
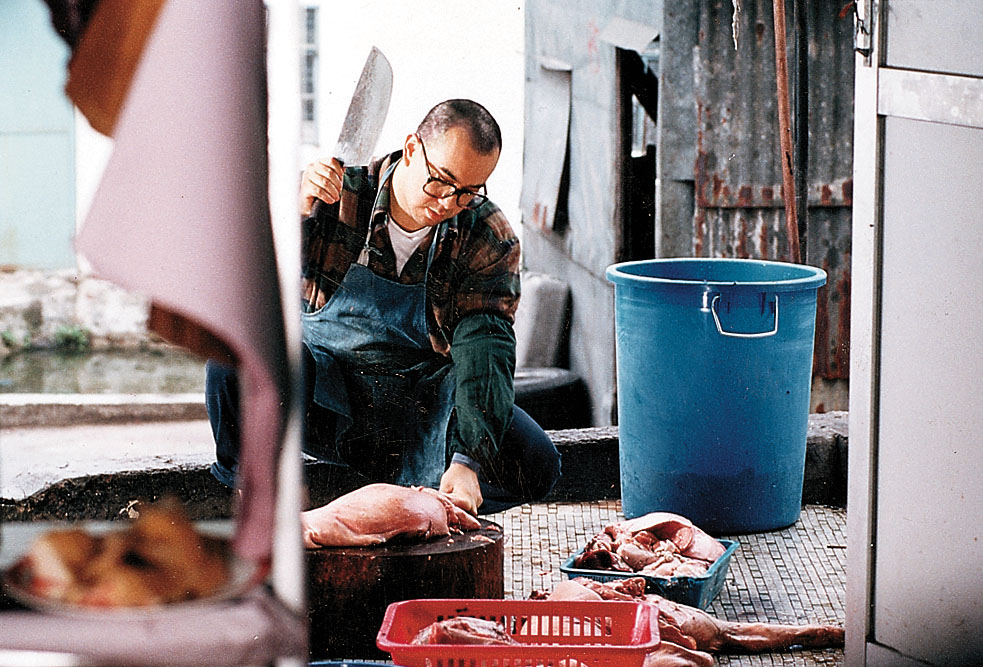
[182, 216]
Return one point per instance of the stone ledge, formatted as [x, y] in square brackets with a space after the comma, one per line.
[591, 472]
[47, 410]
[591, 468]
[825, 479]
[107, 497]
[35, 304]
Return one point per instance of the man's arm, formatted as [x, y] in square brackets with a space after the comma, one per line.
[483, 352]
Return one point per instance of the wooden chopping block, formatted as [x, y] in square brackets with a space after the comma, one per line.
[348, 589]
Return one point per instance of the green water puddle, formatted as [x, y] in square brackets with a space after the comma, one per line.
[152, 371]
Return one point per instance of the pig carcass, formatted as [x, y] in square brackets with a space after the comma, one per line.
[697, 631]
[378, 513]
[667, 654]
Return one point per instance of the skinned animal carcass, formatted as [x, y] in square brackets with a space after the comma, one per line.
[378, 513]
[689, 634]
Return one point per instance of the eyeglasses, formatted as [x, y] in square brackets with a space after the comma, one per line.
[441, 189]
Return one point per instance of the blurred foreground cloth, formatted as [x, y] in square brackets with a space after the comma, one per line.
[182, 216]
[182, 213]
[105, 57]
[107, 39]
[69, 18]
[253, 630]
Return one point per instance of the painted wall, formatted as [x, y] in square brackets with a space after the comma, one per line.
[37, 142]
[584, 242]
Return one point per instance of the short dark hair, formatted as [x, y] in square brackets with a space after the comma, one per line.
[480, 124]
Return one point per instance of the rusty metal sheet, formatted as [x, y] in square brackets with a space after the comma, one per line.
[714, 192]
[739, 206]
[737, 137]
[759, 233]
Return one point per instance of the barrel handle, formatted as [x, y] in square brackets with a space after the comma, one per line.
[735, 334]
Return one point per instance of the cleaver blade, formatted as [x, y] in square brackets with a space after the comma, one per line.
[366, 112]
[359, 131]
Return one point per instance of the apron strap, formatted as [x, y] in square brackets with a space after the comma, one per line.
[363, 256]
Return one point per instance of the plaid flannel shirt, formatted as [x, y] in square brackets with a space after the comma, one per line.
[475, 267]
[474, 279]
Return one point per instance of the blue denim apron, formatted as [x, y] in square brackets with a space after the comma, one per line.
[376, 370]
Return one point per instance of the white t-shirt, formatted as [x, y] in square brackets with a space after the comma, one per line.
[404, 242]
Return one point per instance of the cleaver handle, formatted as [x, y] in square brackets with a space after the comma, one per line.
[323, 216]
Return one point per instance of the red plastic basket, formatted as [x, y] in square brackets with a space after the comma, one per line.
[594, 633]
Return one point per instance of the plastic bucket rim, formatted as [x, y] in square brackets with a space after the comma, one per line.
[814, 278]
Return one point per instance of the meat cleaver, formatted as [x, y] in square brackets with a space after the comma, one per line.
[366, 112]
[362, 125]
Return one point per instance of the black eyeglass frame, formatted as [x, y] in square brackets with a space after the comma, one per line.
[476, 198]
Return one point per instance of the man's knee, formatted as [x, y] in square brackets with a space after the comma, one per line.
[541, 465]
[547, 473]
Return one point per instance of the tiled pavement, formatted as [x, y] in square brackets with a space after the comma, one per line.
[794, 575]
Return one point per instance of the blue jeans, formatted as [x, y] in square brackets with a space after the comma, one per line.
[525, 469]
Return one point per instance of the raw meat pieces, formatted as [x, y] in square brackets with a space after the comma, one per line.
[378, 513]
[464, 630]
[158, 559]
[467, 630]
[660, 544]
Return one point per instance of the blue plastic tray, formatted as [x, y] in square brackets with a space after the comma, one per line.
[692, 591]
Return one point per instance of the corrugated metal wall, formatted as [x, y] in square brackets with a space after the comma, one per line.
[718, 182]
[739, 208]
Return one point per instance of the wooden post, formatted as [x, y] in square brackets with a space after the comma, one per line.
[785, 130]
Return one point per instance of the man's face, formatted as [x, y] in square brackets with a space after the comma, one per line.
[451, 159]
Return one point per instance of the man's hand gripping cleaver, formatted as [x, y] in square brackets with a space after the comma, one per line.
[359, 134]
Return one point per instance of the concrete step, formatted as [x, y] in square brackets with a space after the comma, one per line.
[96, 470]
[591, 466]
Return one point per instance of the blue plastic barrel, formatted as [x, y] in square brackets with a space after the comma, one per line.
[714, 360]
